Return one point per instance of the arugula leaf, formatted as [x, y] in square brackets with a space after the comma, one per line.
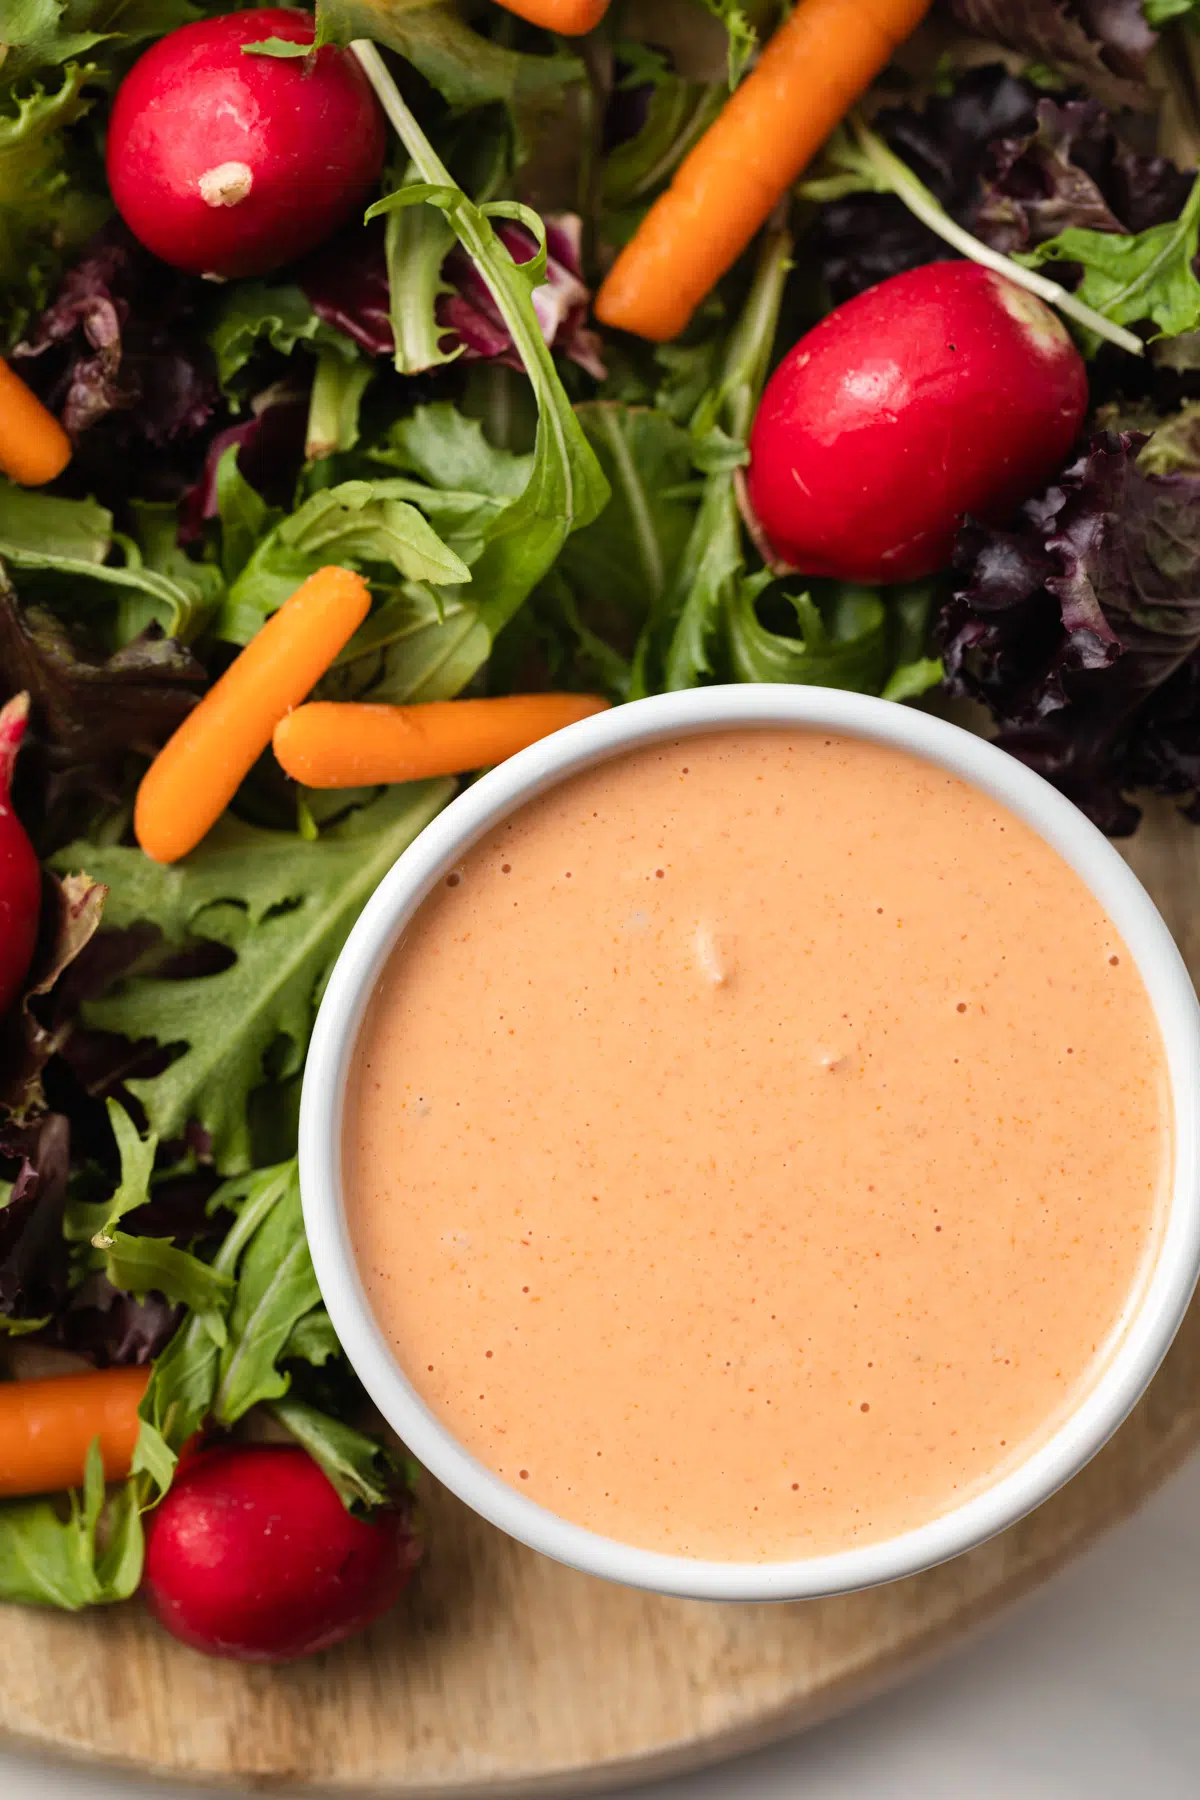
[276, 1287]
[678, 112]
[183, 1380]
[312, 1340]
[416, 242]
[284, 908]
[362, 1470]
[850, 637]
[467, 69]
[88, 1220]
[566, 487]
[1147, 275]
[278, 314]
[45, 211]
[145, 1265]
[140, 1265]
[1160, 13]
[49, 1560]
[677, 644]
[337, 395]
[353, 523]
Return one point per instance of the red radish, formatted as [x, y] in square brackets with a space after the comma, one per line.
[253, 1556]
[227, 163]
[944, 391]
[20, 876]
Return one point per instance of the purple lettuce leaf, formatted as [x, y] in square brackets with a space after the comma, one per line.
[33, 1253]
[350, 292]
[91, 714]
[561, 303]
[1079, 629]
[346, 284]
[270, 446]
[1073, 169]
[120, 356]
[1101, 45]
[1011, 165]
[948, 143]
[36, 1027]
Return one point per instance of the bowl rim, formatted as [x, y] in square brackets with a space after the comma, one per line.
[1153, 1311]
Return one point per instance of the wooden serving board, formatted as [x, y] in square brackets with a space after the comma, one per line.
[506, 1675]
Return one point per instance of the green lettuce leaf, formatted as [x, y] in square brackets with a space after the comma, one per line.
[73, 540]
[627, 557]
[278, 314]
[466, 68]
[41, 34]
[414, 646]
[566, 488]
[48, 1559]
[45, 209]
[1147, 275]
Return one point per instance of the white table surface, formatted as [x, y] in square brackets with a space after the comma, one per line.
[1090, 1691]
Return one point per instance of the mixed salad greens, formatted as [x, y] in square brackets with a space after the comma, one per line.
[537, 503]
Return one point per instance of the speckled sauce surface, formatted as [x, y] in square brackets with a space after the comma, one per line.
[754, 1143]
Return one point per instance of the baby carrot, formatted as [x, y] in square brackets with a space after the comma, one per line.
[34, 448]
[570, 18]
[197, 772]
[333, 745]
[824, 55]
[46, 1427]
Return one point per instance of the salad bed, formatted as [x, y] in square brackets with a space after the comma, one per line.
[537, 503]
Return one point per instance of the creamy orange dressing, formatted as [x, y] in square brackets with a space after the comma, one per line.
[753, 1144]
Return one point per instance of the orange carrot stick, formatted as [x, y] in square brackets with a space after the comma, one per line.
[197, 772]
[332, 745]
[571, 18]
[46, 1427]
[34, 448]
[813, 70]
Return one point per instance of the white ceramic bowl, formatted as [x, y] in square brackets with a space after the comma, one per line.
[1152, 1315]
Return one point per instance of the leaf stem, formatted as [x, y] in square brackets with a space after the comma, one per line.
[900, 180]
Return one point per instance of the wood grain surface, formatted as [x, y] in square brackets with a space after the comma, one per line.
[507, 1675]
